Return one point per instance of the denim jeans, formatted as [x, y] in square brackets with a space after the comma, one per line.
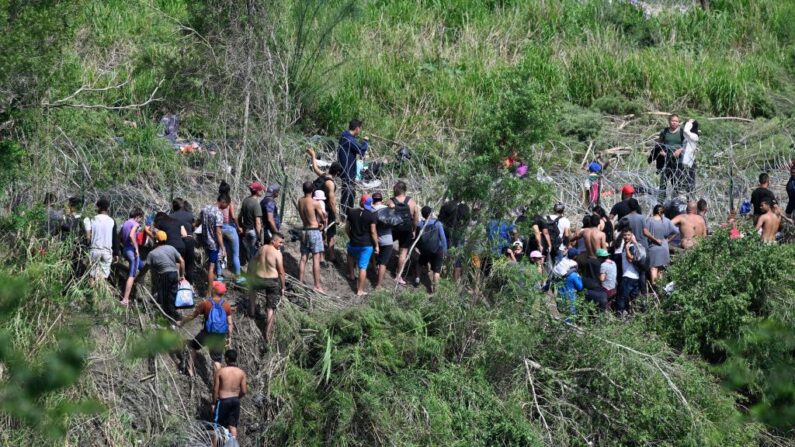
[250, 244]
[232, 244]
[629, 291]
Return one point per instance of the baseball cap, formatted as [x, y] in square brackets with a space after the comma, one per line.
[319, 195]
[559, 206]
[219, 287]
[601, 253]
[573, 253]
[535, 254]
[366, 202]
[628, 189]
[256, 186]
[274, 188]
[161, 236]
[595, 167]
[517, 244]
[377, 197]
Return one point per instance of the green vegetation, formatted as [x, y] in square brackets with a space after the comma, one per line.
[462, 82]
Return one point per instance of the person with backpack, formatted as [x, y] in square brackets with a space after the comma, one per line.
[325, 183]
[212, 221]
[385, 241]
[406, 208]
[250, 220]
[168, 269]
[130, 250]
[270, 212]
[349, 148]
[559, 228]
[432, 246]
[631, 276]
[455, 216]
[229, 386]
[182, 212]
[668, 154]
[216, 332]
[361, 229]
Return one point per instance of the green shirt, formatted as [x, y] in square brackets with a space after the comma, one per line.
[673, 140]
[249, 211]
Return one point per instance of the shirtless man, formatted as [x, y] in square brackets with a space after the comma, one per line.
[229, 385]
[769, 222]
[330, 190]
[691, 225]
[268, 276]
[312, 234]
[594, 237]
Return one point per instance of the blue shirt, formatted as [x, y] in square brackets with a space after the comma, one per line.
[498, 233]
[349, 148]
[571, 285]
[268, 205]
[442, 238]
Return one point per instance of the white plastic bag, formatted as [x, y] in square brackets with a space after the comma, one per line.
[184, 295]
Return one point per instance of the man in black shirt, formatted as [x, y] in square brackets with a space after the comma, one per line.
[621, 208]
[180, 211]
[454, 216]
[361, 229]
[760, 194]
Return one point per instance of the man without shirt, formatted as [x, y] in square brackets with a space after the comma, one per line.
[691, 225]
[769, 222]
[268, 275]
[593, 237]
[229, 385]
[311, 234]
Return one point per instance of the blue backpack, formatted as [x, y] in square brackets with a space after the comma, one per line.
[216, 320]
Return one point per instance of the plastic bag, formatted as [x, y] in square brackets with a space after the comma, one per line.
[184, 295]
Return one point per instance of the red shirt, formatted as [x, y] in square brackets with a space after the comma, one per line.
[206, 306]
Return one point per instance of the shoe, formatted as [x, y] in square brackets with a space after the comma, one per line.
[324, 264]
[240, 281]
[416, 282]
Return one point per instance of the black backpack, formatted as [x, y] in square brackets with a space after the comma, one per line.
[554, 233]
[320, 184]
[404, 212]
[429, 240]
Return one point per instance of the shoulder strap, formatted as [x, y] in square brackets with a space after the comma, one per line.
[558, 219]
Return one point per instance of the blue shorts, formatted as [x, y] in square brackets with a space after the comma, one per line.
[213, 255]
[361, 254]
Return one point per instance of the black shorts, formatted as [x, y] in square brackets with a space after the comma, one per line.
[403, 238]
[434, 259]
[384, 253]
[272, 288]
[215, 343]
[227, 412]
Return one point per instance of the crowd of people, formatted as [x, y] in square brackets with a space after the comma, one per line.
[611, 259]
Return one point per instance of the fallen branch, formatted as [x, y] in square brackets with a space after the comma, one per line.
[63, 103]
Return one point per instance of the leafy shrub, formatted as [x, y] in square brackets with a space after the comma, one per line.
[617, 105]
[579, 122]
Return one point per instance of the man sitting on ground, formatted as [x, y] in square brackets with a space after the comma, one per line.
[229, 385]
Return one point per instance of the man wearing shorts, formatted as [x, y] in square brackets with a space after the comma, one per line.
[429, 255]
[311, 234]
[361, 229]
[405, 207]
[267, 276]
[229, 385]
[213, 341]
[385, 241]
[100, 231]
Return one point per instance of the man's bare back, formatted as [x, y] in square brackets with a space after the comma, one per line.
[231, 382]
[309, 209]
[768, 225]
[594, 239]
[268, 261]
[690, 227]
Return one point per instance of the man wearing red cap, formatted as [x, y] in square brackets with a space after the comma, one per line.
[621, 208]
[217, 326]
[251, 220]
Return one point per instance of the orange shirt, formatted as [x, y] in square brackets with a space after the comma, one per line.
[206, 306]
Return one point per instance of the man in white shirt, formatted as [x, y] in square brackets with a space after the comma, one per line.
[564, 227]
[100, 231]
[630, 278]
